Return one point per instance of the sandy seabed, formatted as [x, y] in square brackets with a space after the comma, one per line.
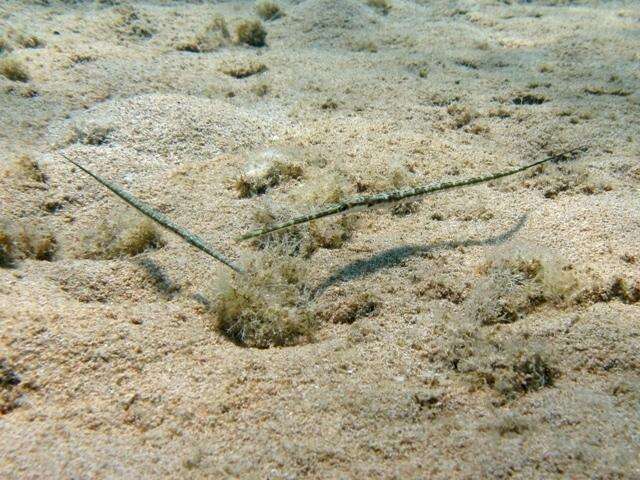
[113, 367]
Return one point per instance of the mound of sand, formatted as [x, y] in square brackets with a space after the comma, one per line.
[170, 125]
[328, 22]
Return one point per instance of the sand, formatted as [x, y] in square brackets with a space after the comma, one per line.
[113, 368]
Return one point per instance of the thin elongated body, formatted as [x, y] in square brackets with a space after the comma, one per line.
[159, 218]
[369, 201]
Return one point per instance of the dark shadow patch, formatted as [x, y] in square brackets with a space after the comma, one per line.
[529, 99]
[161, 280]
[201, 299]
[396, 256]
[8, 377]
[468, 63]
[9, 395]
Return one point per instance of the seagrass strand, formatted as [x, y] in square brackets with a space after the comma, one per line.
[159, 218]
[367, 201]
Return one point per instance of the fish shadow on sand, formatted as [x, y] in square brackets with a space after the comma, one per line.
[161, 281]
[395, 256]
